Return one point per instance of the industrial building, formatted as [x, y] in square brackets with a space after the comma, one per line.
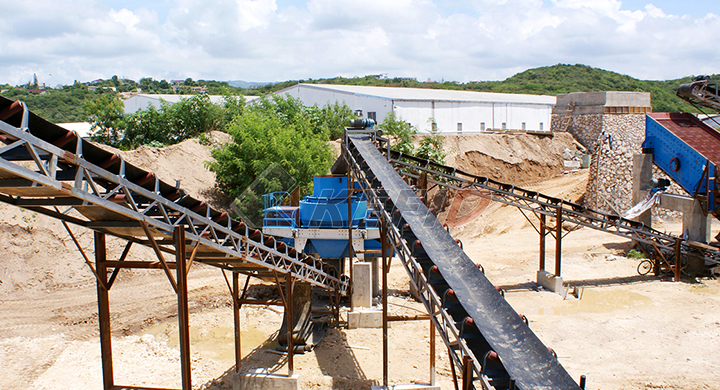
[453, 111]
[142, 101]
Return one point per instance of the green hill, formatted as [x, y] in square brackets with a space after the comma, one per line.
[558, 79]
[66, 104]
[549, 80]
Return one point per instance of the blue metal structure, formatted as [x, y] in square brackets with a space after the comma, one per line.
[319, 225]
[688, 151]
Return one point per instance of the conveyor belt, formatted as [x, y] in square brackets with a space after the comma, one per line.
[527, 361]
[52, 171]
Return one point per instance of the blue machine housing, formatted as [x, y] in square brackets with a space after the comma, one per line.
[319, 225]
[327, 207]
[674, 140]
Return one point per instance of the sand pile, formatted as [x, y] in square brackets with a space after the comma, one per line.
[510, 158]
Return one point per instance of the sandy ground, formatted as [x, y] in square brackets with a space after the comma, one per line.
[626, 331]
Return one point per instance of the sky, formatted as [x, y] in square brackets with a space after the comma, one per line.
[277, 40]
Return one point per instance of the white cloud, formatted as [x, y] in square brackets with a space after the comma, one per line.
[260, 41]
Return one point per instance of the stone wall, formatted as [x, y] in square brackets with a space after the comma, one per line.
[585, 128]
[610, 182]
[612, 140]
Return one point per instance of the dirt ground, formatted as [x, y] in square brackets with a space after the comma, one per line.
[626, 331]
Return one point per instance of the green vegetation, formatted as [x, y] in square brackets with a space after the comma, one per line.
[66, 103]
[635, 254]
[431, 146]
[56, 105]
[272, 131]
[173, 123]
[401, 135]
[399, 132]
[106, 115]
[275, 130]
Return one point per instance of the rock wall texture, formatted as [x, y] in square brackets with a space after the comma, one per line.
[612, 140]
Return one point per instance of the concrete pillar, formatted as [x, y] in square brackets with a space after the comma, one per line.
[697, 223]
[362, 314]
[375, 264]
[362, 284]
[642, 181]
[358, 245]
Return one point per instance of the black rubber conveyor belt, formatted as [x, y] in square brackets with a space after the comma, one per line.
[523, 355]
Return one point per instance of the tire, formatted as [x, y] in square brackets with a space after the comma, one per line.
[645, 267]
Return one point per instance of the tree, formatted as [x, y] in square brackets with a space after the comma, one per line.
[271, 131]
[399, 132]
[106, 116]
[145, 127]
[333, 117]
[191, 117]
[233, 106]
[172, 124]
[431, 146]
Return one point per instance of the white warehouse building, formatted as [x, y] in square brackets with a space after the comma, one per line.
[453, 111]
[143, 101]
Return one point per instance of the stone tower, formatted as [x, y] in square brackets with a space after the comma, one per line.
[611, 125]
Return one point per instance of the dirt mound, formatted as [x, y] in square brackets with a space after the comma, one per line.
[183, 162]
[509, 158]
[40, 256]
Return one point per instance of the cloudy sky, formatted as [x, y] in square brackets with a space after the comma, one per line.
[276, 40]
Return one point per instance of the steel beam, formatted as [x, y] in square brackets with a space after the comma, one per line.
[543, 236]
[183, 314]
[104, 312]
[558, 240]
[385, 270]
[290, 324]
[236, 321]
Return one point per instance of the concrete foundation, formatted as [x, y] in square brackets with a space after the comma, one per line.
[365, 319]
[260, 380]
[362, 284]
[550, 281]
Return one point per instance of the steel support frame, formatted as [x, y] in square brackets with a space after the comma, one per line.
[385, 270]
[71, 181]
[540, 204]
[104, 323]
[145, 206]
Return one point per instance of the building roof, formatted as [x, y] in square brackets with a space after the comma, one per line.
[133, 103]
[426, 94]
[172, 98]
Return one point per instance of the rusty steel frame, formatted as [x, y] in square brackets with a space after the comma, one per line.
[158, 213]
[64, 178]
[104, 323]
[540, 204]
